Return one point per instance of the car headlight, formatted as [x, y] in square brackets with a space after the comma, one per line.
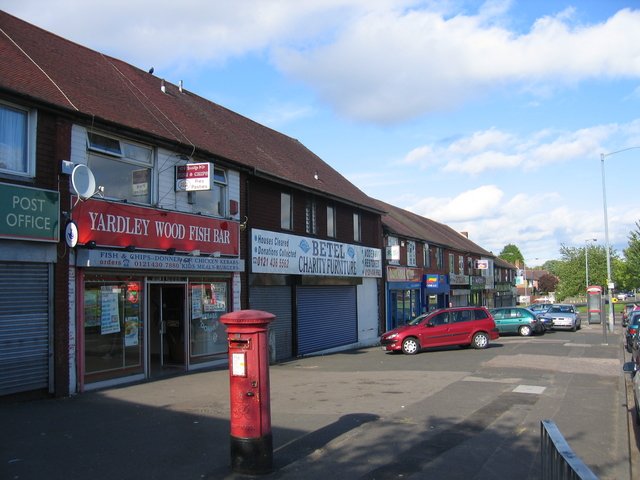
[391, 337]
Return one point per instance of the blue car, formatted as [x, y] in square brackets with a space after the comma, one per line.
[517, 320]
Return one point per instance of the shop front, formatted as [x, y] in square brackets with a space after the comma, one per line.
[460, 290]
[140, 312]
[403, 295]
[29, 232]
[324, 294]
[435, 292]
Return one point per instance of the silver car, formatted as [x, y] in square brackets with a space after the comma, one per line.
[564, 316]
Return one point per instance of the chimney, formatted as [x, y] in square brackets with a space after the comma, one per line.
[465, 234]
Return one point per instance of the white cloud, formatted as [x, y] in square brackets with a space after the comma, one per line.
[379, 61]
[479, 203]
[494, 150]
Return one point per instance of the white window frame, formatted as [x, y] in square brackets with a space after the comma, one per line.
[452, 263]
[357, 227]
[461, 264]
[393, 242]
[426, 254]
[31, 116]
[331, 221]
[286, 211]
[411, 254]
[311, 223]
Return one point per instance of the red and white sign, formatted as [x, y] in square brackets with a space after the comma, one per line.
[120, 225]
[193, 177]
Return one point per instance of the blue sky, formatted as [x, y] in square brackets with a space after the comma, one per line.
[489, 116]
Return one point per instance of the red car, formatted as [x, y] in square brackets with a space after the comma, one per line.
[462, 326]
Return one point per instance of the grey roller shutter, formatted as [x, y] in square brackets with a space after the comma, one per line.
[24, 326]
[276, 300]
[327, 317]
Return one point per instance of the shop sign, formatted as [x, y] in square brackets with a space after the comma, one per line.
[393, 253]
[432, 281]
[193, 177]
[119, 225]
[458, 279]
[478, 281]
[133, 260]
[285, 254]
[29, 213]
[402, 274]
[482, 264]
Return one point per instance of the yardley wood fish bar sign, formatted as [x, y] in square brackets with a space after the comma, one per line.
[285, 254]
[120, 225]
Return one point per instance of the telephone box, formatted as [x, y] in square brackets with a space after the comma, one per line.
[251, 440]
[594, 304]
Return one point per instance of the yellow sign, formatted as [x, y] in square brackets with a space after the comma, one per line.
[614, 300]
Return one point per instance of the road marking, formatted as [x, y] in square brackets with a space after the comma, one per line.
[529, 389]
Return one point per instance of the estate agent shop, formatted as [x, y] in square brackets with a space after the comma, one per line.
[141, 307]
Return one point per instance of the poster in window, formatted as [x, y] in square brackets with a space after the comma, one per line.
[110, 315]
[140, 180]
[196, 301]
[218, 297]
[130, 331]
[91, 317]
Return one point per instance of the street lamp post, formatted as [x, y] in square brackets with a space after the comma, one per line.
[606, 234]
[586, 256]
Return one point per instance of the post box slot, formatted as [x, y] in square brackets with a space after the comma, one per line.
[239, 342]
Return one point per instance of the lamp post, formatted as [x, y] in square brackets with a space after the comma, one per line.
[586, 256]
[610, 285]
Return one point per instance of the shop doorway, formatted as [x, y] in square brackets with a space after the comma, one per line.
[167, 329]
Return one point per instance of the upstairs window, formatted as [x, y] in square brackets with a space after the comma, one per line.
[439, 258]
[214, 201]
[124, 169]
[331, 221]
[461, 265]
[394, 251]
[310, 216]
[426, 252]
[286, 211]
[17, 140]
[357, 232]
[411, 254]
[452, 263]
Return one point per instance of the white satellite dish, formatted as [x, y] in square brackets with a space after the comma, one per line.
[83, 182]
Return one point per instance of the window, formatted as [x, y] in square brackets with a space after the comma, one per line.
[17, 140]
[286, 211]
[331, 221]
[439, 258]
[310, 216]
[426, 253]
[393, 252]
[411, 254]
[214, 201]
[357, 234]
[123, 169]
[452, 263]
[461, 265]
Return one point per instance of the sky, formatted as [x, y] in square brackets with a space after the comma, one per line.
[489, 116]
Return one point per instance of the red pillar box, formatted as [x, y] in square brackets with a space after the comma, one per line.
[251, 440]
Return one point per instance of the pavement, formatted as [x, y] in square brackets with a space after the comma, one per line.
[358, 414]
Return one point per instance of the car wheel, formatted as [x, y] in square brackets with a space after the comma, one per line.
[579, 325]
[574, 327]
[524, 331]
[410, 346]
[480, 340]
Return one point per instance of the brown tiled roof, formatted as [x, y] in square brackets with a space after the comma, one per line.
[38, 64]
[410, 225]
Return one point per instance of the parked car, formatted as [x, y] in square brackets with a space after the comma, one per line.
[632, 368]
[622, 296]
[632, 329]
[517, 320]
[539, 307]
[564, 316]
[628, 308]
[463, 326]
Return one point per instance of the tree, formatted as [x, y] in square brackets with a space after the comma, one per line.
[547, 283]
[552, 266]
[572, 269]
[511, 253]
[631, 270]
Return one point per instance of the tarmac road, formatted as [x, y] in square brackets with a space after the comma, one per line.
[360, 414]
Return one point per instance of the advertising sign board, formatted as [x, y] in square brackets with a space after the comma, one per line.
[29, 213]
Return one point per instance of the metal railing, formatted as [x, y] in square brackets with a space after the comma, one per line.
[558, 460]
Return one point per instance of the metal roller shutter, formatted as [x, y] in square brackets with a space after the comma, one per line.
[327, 317]
[24, 326]
[276, 300]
